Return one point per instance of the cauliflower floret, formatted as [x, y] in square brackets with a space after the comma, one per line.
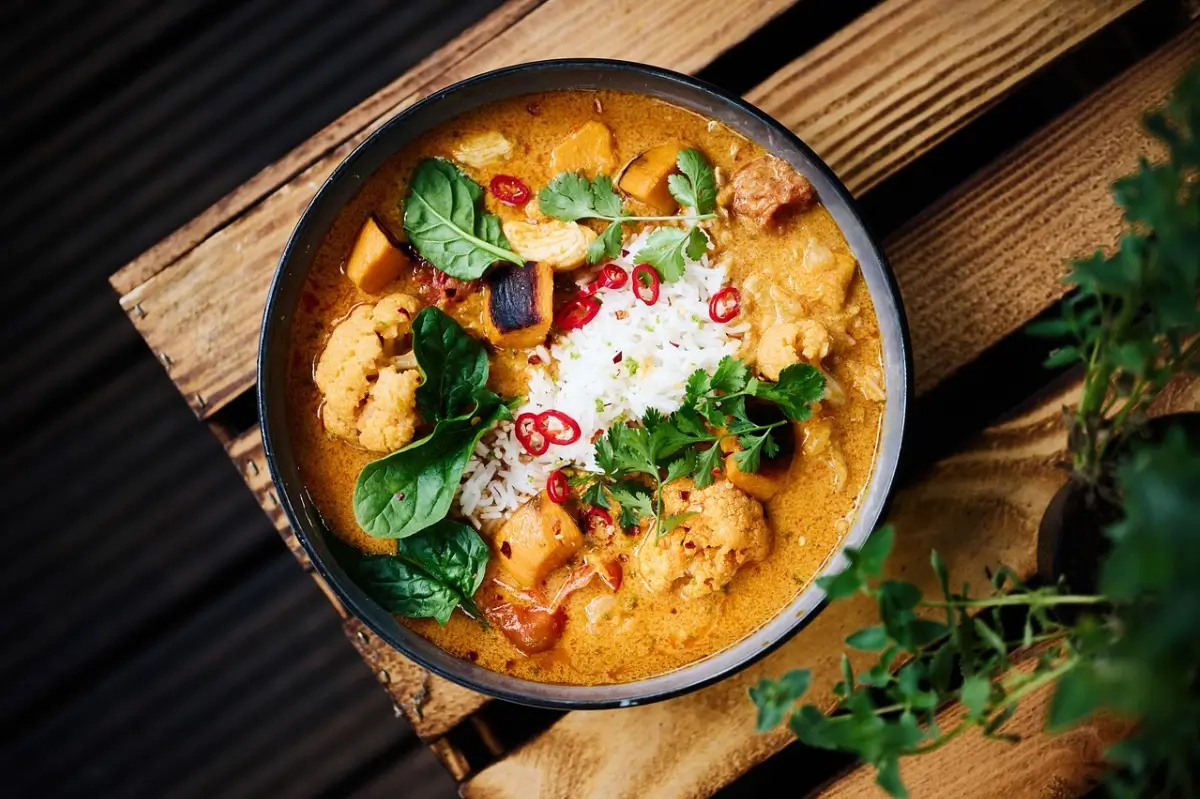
[369, 389]
[820, 442]
[702, 554]
[788, 343]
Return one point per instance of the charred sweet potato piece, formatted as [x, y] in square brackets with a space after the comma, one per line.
[519, 304]
[374, 261]
[587, 149]
[645, 178]
[538, 538]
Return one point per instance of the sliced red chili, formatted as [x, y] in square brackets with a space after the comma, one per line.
[725, 305]
[599, 514]
[577, 313]
[557, 488]
[590, 288]
[557, 427]
[532, 439]
[645, 283]
[612, 277]
[510, 190]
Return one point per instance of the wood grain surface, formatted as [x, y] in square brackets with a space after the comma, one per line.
[887, 88]
[204, 311]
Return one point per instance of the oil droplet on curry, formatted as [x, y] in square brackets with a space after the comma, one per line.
[576, 592]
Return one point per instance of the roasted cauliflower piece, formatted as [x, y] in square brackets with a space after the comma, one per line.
[785, 344]
[368, 385]
[559, 245]
[826, 275]
[702, 555]
[820, 442]
[483, 149]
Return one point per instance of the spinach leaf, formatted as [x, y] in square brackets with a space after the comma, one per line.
[454, 366]
[432, 572]
[413, 488]
[444, 220]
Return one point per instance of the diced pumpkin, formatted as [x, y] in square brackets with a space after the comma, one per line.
[374, 261]
[587, 149]
[518, 304]
[538, 538]
[645, 178]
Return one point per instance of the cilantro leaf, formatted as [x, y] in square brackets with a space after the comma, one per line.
[571, 196]
[697, 186]
[594, 495]
[635, 503]
[607, 244]
[754, 447]
[672, 521]
[697, 387]
[669, 248]
[799, 386]
[730, 375]
[708, 462]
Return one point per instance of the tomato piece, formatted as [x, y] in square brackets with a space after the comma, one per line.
[557, 427]
[532, 439]
[577, 313]
[557, 488]
[646, 283]
[725, 305]
[509, 190]
[612, 277]
[529, 627]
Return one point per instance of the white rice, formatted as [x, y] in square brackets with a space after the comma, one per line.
[581, 375]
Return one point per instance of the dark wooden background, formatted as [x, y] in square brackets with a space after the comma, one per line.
[156, 638]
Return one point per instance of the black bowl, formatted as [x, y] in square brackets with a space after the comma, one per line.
[342, 186]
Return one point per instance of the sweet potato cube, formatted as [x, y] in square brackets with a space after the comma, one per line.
[645, 178]
[587, 149]
[538, 538]
[762, 485]
[374, 261]
[518, 304]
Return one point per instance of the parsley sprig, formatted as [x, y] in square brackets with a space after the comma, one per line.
[571, 196]
[637, 460]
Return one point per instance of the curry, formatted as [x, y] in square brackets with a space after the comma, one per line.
[590, 385]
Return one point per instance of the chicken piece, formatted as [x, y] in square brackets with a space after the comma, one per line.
[785, 344]
[767, 186]
[483, 149]
[820, 442]
[559, 245]
[826, 275]
[375, 261]
[538, 538]
[368, 387]
[703, 554]
[645, 178]
[587, 149]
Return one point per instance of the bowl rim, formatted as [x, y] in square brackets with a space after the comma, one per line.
[564, 696]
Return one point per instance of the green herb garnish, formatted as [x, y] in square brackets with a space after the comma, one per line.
[445, 221]
[572, 196]
[638, 460]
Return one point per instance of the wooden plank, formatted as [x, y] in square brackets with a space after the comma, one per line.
[204, 311]
[1036, 767]
[366, 115]
[907, 75]
[431, 704]
[979, 509]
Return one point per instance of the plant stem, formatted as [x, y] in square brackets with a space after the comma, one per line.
[1032, 600]
[940, 742]
[697, 218]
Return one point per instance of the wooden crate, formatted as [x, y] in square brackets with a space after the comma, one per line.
[981, 137]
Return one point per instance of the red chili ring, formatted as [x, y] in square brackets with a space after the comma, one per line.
[725, 305]
[588, 289]
[509, 190]
[570, 427]
[597, 513]
[612, 277]
[645, 283]
[532, 439]
[577, 313]
[557, 488]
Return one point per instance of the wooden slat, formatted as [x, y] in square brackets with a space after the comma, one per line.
[905, 76]
[431, 704]
[980, 508]
[203, 311]
[1036, 767]
[365, 116]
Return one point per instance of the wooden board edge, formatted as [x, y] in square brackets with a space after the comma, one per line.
[354, 121]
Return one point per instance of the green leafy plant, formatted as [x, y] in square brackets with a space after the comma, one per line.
[445, 221]
[413, 488]
[432, 572]
[1133, 321]
[572, 196]
[638, 460]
